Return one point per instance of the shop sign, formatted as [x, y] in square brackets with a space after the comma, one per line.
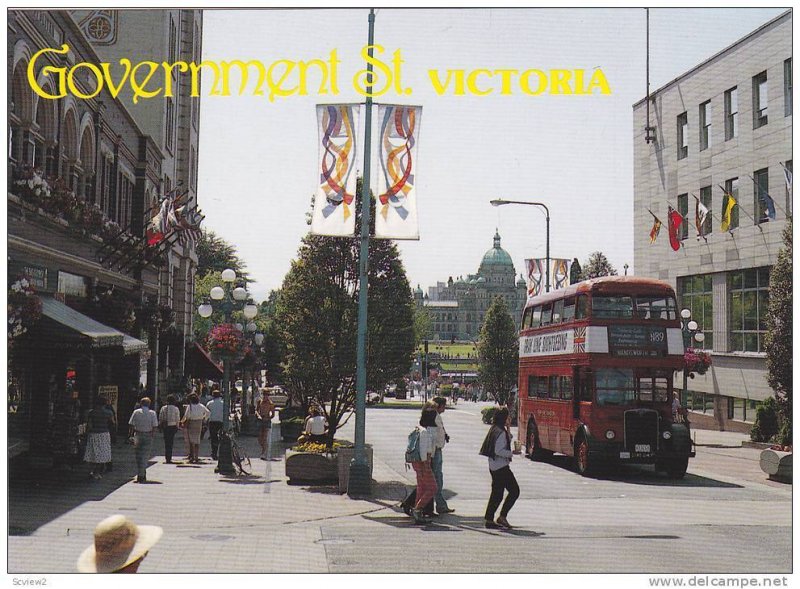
[36, 275]
[71, 284]
[110, 392]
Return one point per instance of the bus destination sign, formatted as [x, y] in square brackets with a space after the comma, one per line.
[637, 341]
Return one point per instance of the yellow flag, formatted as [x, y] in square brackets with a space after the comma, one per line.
[726, 216]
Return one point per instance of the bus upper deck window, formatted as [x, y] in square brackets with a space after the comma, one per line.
[558, 311]
[547, 314]
[656, 307]
[536, 317]
[612, 307]
[526, 318]
[581, 307]
[569, 309]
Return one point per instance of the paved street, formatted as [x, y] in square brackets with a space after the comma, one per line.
[720, 518]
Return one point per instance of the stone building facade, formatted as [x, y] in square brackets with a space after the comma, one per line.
[723, 127]
[78, 243]
[457, 307]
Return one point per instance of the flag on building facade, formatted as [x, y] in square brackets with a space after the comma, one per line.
[787, 176]
[726, 213]
[700, 216]
[535, 276]
[335, 200]
[656, 229]
[674, 220]
[158, 226]
[396, 209]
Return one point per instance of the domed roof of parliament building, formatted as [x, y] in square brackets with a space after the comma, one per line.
[496, 259]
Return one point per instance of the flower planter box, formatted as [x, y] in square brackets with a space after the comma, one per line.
[310, 467]
[777, 464]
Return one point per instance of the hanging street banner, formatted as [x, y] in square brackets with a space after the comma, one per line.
[396, 209]
[534, 271]
[537, 274]
[335, 201]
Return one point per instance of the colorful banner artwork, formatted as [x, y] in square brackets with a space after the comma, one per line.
[335, 201]
[559, 272]
[396, 209]
[536, 270]
[674, 219]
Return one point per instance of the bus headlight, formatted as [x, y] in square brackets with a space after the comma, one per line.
[610, 435]
[666, 435]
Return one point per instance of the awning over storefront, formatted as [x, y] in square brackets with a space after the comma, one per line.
[83, 330]
[202, 365]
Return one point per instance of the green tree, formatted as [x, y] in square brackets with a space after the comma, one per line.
[423, 327]
[597, 265]
[316, 315]
[214, 254]
[498, 352]
[778, 340]
[273, 351]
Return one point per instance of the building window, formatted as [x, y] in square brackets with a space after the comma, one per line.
[683, 209]
[732, 189]
[173, 36]
[760, 100]
[787, 87]
[761, 180]
[731, 113]
[170, 122]
[696, 295]
[705, 199]
[683, 136]
[749, 292]
[705, 125]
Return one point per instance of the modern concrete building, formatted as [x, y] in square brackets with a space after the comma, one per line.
[457, 307]
[722, 128]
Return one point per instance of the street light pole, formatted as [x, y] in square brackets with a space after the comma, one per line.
[500, 201]
[360, 480]
[690, 331]
[228, 297]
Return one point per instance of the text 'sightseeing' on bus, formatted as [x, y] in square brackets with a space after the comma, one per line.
[596, 368]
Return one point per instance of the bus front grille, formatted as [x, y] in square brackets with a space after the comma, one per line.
[641, 430]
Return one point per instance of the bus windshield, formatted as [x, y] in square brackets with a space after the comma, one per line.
[614, 386]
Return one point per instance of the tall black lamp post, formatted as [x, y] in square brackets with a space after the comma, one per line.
[499, 202]
[690, 332]
[230, 299]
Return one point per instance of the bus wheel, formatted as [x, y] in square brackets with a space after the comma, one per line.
[534, 446]
[582, 457]
[676, 469]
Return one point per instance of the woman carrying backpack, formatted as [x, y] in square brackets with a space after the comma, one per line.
[497, 446]
[426, 483]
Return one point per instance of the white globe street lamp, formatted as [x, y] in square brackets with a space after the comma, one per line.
[250, 311]
[239, 294]
[217, 293]
[228, 275]
[205, 310]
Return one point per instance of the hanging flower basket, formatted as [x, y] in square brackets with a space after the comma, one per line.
[225, 342]
[24, 308]
[696, 361]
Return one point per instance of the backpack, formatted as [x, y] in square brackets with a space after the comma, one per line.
[412, 448]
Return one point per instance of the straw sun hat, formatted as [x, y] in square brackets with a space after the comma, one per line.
[118, 542]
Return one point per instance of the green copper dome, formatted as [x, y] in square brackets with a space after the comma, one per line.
[496, 256]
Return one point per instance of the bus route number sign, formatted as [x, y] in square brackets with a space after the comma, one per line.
[637, 341]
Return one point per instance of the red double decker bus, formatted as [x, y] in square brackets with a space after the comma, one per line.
[596, 366]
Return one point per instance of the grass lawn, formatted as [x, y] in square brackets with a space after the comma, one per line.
[459, 350]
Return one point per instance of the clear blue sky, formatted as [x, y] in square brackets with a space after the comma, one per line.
[258, 160]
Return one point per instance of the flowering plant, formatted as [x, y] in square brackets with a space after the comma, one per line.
[696, 360]
[225, 340]
[24, 308]
[30, 183]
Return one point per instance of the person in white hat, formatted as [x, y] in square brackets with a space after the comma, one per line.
[119, 546]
